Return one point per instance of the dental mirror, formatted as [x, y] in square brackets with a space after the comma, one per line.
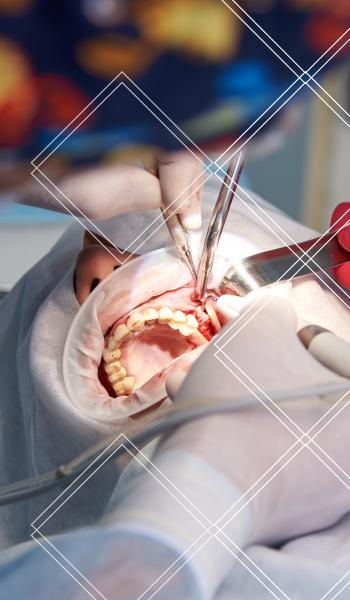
[282, 264]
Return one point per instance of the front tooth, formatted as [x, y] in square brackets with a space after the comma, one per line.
[186, 330]
[115, 377]
[135, 322]
[122, 333]
[124, 387]
[111, 355]
[113, 367]
[165, 315]
[192, 321]
[150, 315]
[112, 344]
[179, 319]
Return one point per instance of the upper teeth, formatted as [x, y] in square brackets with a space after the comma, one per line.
[112, 344]
[122, 333]
[117, 375]
[111, 355]
[192, 321]
[150, 315]
[113, 367]
[166, 315]
[135, 322]
[178, 320]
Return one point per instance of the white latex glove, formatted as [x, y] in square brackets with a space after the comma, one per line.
[105, 191]
[244, 445]
[242, 464]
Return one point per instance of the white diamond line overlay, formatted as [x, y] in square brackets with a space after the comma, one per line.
[311, 77]
[207, 529]
[159, 217]
[173, 123]
[84, 216]
[292, 85]
[305, 434]
[299, 258]
[291, 58]
[115, 89]
[250, 571]
[64, 568]
[300, 439]
[343, 588]
[66, 559]
[37, 530]
[276, 405]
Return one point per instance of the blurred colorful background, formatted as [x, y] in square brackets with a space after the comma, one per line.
[212, 67]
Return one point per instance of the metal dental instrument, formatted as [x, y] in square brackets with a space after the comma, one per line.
[181, 239]
[282, 264]
[217, 223]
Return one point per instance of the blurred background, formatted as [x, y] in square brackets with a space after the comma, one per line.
[210, 74]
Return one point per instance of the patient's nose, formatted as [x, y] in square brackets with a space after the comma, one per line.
[93, 264]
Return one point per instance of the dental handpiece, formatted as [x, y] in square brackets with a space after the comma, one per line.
[181, 239]
[329, 349]
[217, 223]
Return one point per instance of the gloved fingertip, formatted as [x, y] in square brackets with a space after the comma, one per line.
[344, 238]
[342, 275]
[229, 306]
[191, 221]
[340, 217]
[174, 382]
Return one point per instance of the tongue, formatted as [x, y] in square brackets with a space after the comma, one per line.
[150, 351]
[154, 389]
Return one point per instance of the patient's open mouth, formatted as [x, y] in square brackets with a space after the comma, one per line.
[134, 330]
[148, 340]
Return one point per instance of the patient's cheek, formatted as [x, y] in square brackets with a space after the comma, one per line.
[94, 264]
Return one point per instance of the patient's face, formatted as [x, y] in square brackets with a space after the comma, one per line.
[94, 263]
[149, 333]
[143, 346]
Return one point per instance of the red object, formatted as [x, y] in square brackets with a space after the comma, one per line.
[60, 102]
[323, 30]
[340, 216]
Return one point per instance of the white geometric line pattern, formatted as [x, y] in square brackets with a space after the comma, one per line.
[288, 55]
[304, 83]
[304, 252]
[303, 72]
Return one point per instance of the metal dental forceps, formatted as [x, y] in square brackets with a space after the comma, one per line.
[217, 223]
[181, 239]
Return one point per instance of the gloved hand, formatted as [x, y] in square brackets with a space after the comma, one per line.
[178, 171]
[216, 460]
[243, 445]
[105, 191]
[340, 216]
